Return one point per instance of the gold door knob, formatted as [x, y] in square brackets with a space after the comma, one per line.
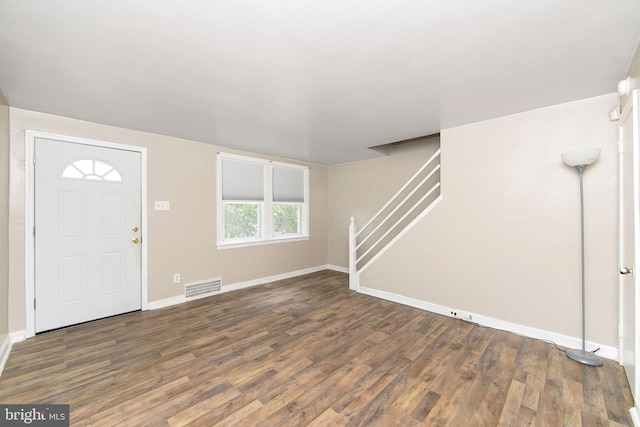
[134, 229]
[135, 240]
[625, 270]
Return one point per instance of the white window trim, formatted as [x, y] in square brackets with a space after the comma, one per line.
[266, 218]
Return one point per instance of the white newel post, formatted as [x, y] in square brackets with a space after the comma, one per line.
[353, 275]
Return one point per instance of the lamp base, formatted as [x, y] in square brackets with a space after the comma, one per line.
[584, 357]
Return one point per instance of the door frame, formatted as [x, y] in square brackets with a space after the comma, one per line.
[29, 220]
[631, 107]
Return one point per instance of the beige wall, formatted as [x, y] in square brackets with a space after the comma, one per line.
[4, 217]
[504, 241]
[360, 189]
[182, 240]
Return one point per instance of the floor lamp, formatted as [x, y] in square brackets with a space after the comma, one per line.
[580, 159]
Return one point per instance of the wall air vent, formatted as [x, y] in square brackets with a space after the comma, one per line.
[202, 289]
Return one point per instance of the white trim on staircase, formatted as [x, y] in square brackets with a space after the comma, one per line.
[401, 233]
[395, 196]
[401, 204]
[398, 222]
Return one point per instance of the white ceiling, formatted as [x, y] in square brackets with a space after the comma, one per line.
[314, 80]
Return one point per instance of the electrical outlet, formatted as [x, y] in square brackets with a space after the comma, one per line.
[162, 205]
[176, 278]
[461, 315]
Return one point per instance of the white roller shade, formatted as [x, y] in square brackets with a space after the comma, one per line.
[242, 180]
[288, 185]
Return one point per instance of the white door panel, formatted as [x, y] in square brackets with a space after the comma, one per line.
[629, 229]
[87, 204]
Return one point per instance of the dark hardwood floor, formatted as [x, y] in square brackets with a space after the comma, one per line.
[307, 351]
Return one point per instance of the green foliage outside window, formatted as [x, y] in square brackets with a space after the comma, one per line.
[241, 220]
[286, 219]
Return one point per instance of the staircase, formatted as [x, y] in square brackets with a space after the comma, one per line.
[414, 200]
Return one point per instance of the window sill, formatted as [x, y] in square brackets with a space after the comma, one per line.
[222, 246]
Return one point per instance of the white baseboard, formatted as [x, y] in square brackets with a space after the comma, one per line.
[337, 268]
[563, 340]
[269, 279]
[7, 343]
[179, 299]
[635, 416]
[5, 349]
[18, 336]
[166, 302]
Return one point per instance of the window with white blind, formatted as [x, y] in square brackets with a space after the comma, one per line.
[261, 201]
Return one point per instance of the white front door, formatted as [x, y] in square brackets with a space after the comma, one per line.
[629, 229]
[87, 232]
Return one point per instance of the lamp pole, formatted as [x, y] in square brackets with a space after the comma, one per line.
[583, 356]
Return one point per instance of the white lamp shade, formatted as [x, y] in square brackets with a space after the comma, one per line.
[582, 157]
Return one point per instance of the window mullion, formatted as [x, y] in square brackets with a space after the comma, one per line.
[220, 226]
[304, 229]
[267, 218]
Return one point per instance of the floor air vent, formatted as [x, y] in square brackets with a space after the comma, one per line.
[202, 289]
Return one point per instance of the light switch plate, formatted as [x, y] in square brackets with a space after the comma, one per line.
[162, 205]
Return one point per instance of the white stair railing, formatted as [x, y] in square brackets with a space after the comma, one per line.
[416, 197]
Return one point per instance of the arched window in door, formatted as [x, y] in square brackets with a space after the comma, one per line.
[91, 170]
